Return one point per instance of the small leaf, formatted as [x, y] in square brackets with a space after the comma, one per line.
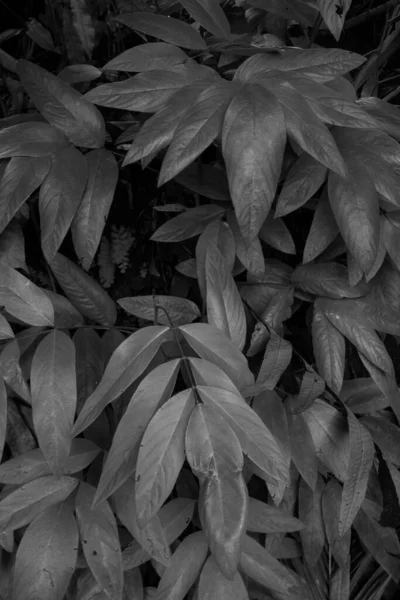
[167, 29]
[79, 73]
[30, 139]
[27, 502]
[92, 213]
[66, 316]
[59, 198]
[361, 458]
[84, 292]
[213, 584]
[386, 435]
[305, 461]
[100, 542]
[179, 311]
[161, 455]
[310, 512]
[275, 233]
[329, 349]
[147, 57]
[10, 370]
[53, 385]
[47, 553]
[188, 224]
[216, 235]
[63, 106]
[253, 127]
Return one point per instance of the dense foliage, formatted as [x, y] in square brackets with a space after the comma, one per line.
[198, 393]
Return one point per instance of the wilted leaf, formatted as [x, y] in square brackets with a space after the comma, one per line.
[177, 311]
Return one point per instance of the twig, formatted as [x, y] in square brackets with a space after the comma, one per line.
[370, 14]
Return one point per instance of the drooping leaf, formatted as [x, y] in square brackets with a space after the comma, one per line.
[100, 542]
[91, 216]
[255, 438]
[253, 127]
[59, 198]
[361, 457]
[63, 106]
[126, 364]
[147, 57]
[225, 309]
[209, 15]
[152, 392]
[212, 345]
[186, 564]
[161, 309]
[323, 230]
[188, 224]
[23, 299]
[27, 502]
[167, 29]
[223, 507]
[31, 139]
[310, 512]
[264, 518]
[21, 178]
[329, 349]
[161, 454]
[83, 291]
[47, 553]
[331, 501]
[53, 386]
[213, 584]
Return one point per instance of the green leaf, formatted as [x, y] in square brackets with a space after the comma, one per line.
[223, 506]
[59, 198]
[63, 106]
[331, 501]
[277, 357]
[10, 370]
[305, 460]
[31, 465]
[253, 127]
[361, 458]
[186, 564]
[213, 584]
[206, 180]
[152, 392]
[100, 541]
[250, 255]
[209, 14]
[147, 57]
[126, 364]
[304, 179]
[80, 73]
[167, 29]
[179, 311]
[260, 565]
[225, 309]
[323, 230]
[384, 112]
[329, 349]
[47, 553]
[212, 345]
[269, 407]
[23, 299]
[333, 17]
[362, 395]
[188, 224]
[255, 438]
[207, 373]
[12, 246]
[275, 233]
[310, 512]
[53, 386]
[216, 235]
[21, 178]
[199, 127]
[92, 213]
[278, 310]
[66, 316]
[161, 455]
[27, 502]
[5, 330]
[264, 518]
[327, 279]
[30, 139]
[84, 292]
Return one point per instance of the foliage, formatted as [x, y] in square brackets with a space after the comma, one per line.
[213, 453]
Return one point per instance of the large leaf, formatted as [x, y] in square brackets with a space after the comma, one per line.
[161, 309]
[213, 584]
[147, 57]
[161, 455]
[89, 363]
[30, 139]
[21, 178]
[59, 198]
[91, 216]
[275, 233]
[207, 373]
[255, 438]
[225, 309]
[216, 235]
[84, 292]
[27, 502]
[205, 179]
[361, 458]
[250, 255]
[152, 392]
[167, 29]
[329, 349]
[31, 465]
[209, 343]
[6, 332]
[126, 364]
[53, 387]
[197, 130]
[23, 299]
[63, 106]
[310, 512]
[100, 541]
[253, 143]
[46, 556]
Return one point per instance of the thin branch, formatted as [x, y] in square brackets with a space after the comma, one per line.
[370, 14]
